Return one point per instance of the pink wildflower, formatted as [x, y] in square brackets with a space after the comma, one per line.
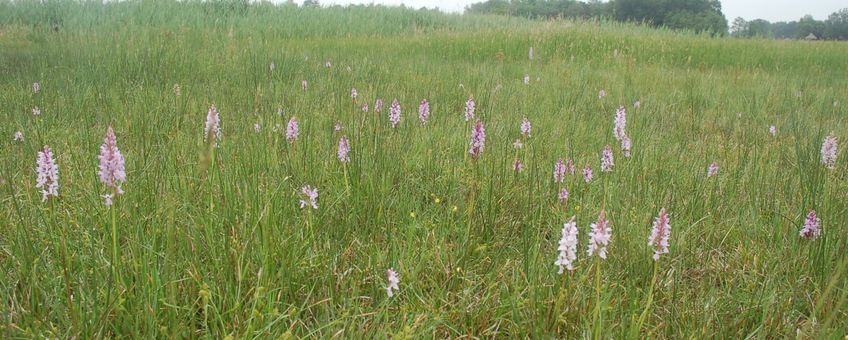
[526, 79]
[394, 113]
[773, 130]
[606, 159]
[599, 237]
[292, 130]
[567, 246]
[19, 136]
[424, 112]
[393, 282]
[36, 111]
[712, 170]
[659, 235]
[47, 171]
[828, 151]
[111, 170]
[559, 171]
[563, 195]
[213, 128]
[344, 150]
[811, 230]
[353, 94]
[478, 139]
[625, 146]
[569, 167]
[378, 105]
[338, 126]
[587, 173]
[36, 87]
[602, 94]
[517, 144]
[518, 166]
[525, 127]
[470, 106]
[311, 197]
[365, 107]
[620, 123]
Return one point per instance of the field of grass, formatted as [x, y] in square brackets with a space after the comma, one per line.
[211, 242]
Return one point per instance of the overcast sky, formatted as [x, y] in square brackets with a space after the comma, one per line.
[771, 10]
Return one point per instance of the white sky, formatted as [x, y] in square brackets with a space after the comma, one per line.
[771, 10]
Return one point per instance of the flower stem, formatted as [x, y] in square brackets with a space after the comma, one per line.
[650, 297]
[114, 243]
[211, 179]
[597, 299]
[347, 181]
[471, 200]
[64, 250]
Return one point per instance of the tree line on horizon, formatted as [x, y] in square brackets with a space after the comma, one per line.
[695, 15]
[835, 27]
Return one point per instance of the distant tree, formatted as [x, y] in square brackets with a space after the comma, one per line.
[311, 3]
[646, 11]
[808, 25]
[501, 7]
[711, 22]
[697, 15]
[759, 28]
[542, 8]
[596, 9]
[784, 30]
[739, 27]
[837, 25]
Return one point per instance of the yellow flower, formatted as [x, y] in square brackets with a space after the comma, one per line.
[455, 208]
[412, 214]
[438, 200]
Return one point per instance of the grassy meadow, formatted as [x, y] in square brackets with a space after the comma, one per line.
[211, 242]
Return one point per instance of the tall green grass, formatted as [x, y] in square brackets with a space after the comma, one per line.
[217, 249]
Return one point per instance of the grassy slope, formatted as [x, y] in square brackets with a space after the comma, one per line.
[257, 265]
